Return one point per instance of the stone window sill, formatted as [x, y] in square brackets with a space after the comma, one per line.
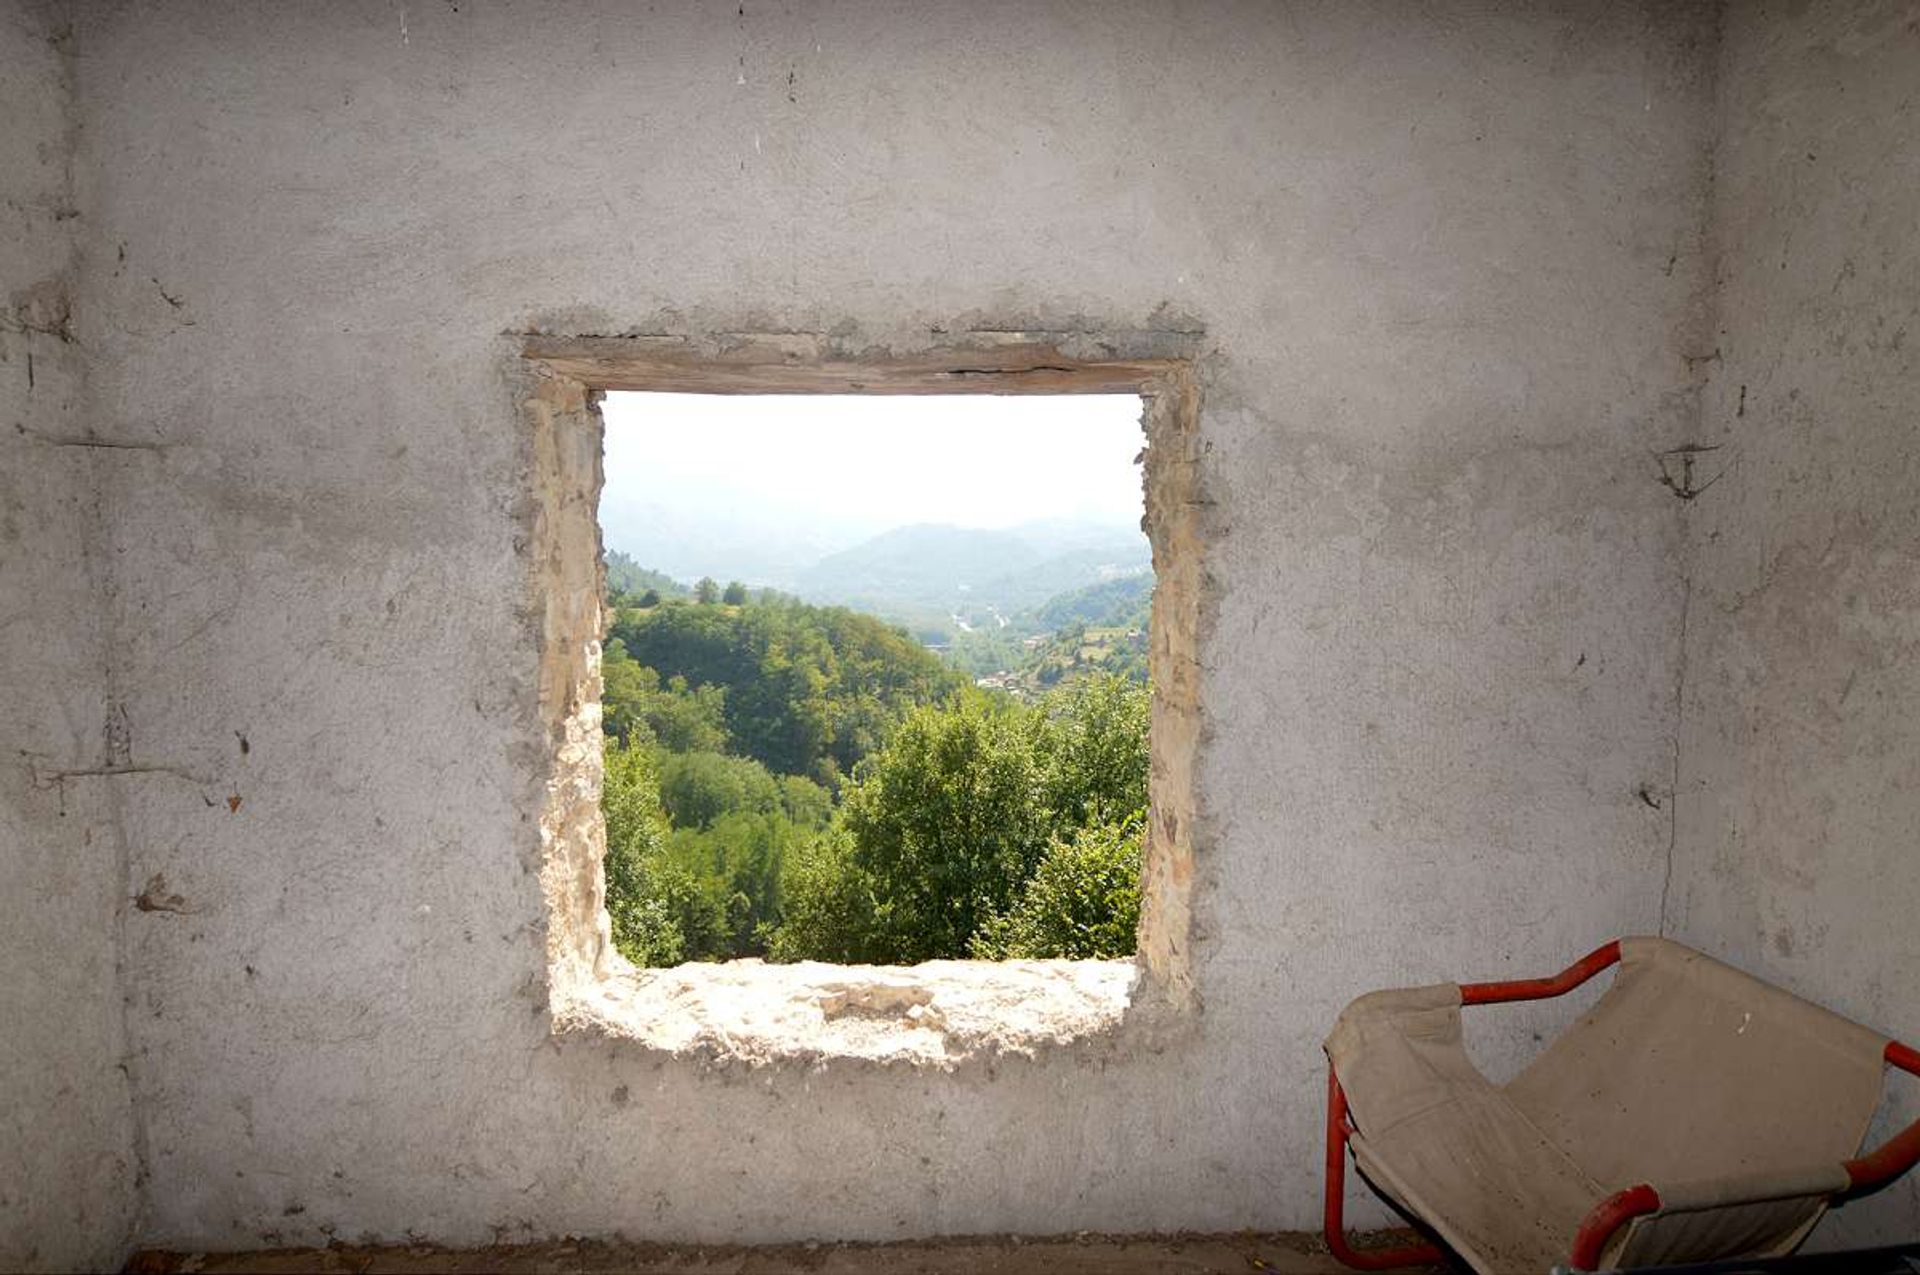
[940, 1013]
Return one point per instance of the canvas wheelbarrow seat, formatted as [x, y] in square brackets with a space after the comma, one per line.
[1694, 1113]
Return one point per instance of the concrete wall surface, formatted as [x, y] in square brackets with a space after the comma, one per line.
[1479, 288]
[66, 1128]
[1797, 854]
[1449, 265]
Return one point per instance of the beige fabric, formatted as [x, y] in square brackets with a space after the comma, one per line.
[1736, 1100]
[1445, 1144]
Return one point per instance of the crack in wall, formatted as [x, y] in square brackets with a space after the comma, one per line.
[1701, 369]
[89, 440]
[1679, 721]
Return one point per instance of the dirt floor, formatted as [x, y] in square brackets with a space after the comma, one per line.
[1244, 1254]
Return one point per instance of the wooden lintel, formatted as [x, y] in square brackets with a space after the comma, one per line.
[794, 366]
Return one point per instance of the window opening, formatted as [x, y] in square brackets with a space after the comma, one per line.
[874, 682]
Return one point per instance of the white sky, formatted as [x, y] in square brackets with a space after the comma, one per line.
[973, 460]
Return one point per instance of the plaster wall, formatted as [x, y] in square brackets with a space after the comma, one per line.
[66, 1130]
[1796, 854]
[1448, 264]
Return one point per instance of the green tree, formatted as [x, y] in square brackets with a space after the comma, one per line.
[1082, 902]
[651, 598]
[635, 707]
[735, 595]
[697, 788]
[1094, 740]
[984, 826]
[740, 860]
[659, 914]
[706, 591]
[809, 690]
[807, 804]
[946, 823]
[968, 822]
[829, 908]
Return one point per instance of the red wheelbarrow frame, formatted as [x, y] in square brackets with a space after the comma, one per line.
[1868, 1173]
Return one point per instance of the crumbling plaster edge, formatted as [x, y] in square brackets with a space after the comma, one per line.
[557, 381]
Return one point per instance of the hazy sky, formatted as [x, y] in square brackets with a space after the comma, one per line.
[973, 460]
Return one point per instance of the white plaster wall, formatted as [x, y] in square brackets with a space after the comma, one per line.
[1447, 258]
[1799, 814]
[66, 1129]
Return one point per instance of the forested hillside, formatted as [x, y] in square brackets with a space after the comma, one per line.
[628, 582]
[803, 690]
[1121, 602]
[804, 782]
[1099, 628]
